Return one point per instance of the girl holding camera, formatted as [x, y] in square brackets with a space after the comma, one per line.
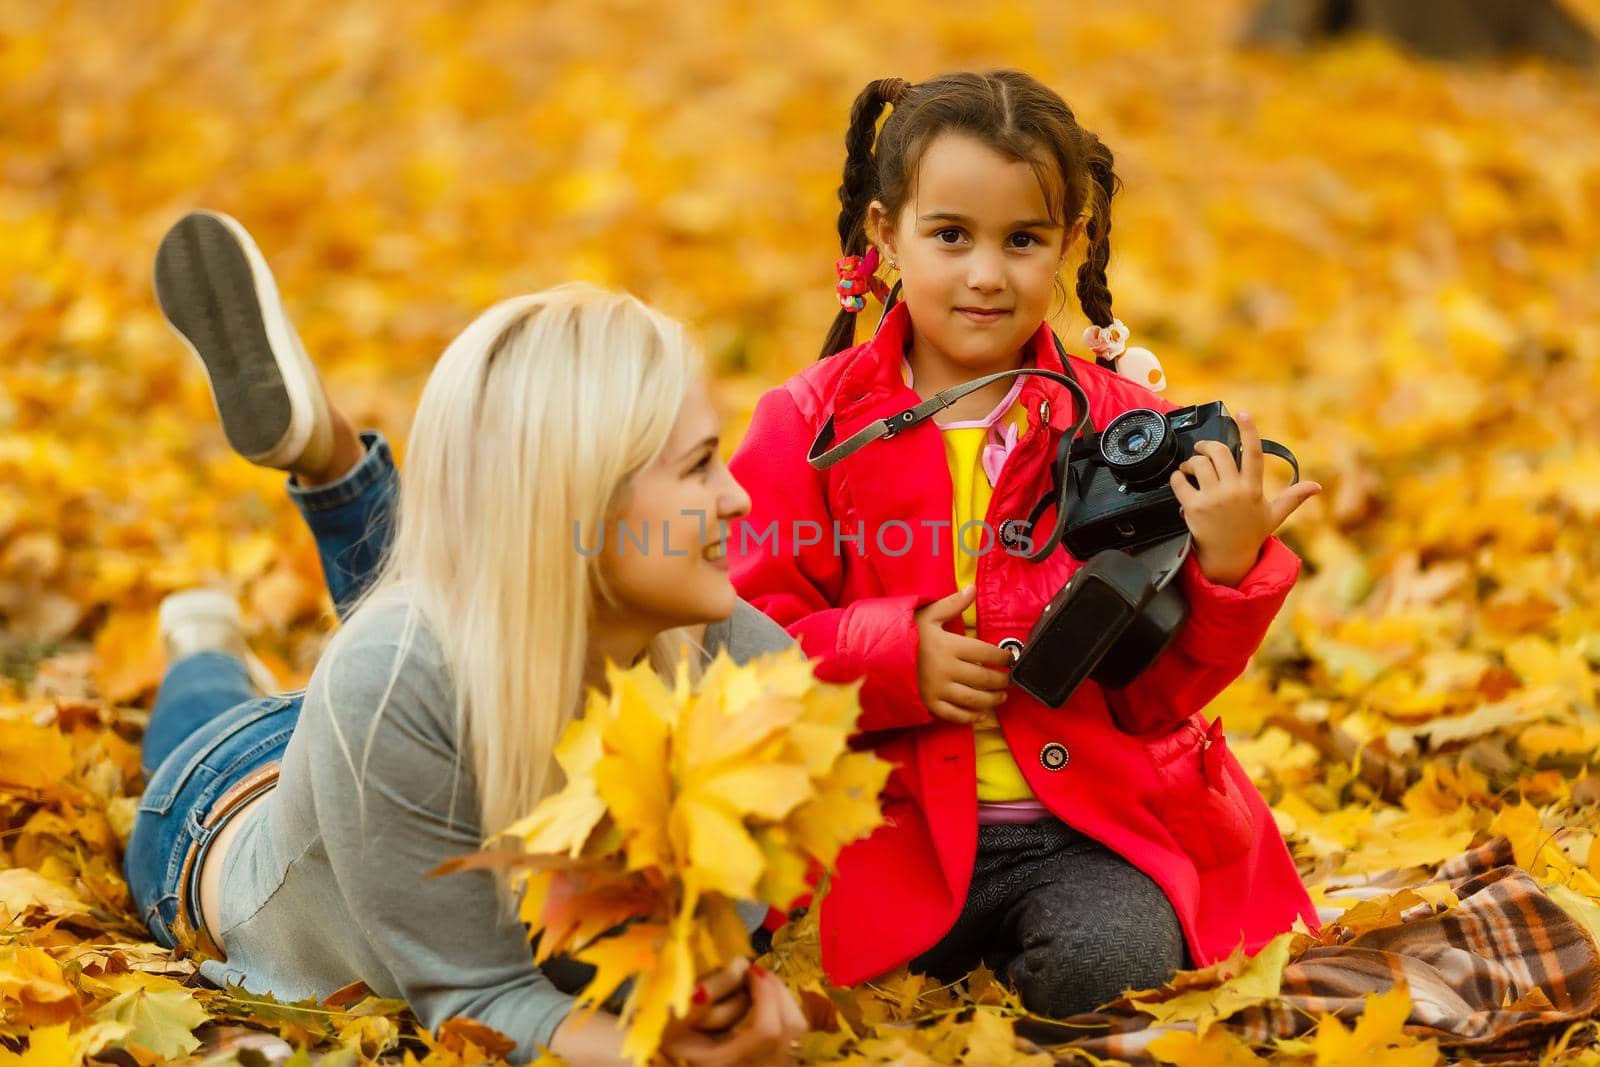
[294, 836]
[1078, 851]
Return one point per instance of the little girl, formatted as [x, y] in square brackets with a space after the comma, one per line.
[1077, 851]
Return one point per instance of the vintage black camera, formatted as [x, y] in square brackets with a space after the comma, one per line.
[1120, 496]
[1122, 608]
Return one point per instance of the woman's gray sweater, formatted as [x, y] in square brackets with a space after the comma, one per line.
[328, 881]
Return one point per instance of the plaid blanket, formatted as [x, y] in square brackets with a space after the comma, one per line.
[1501, 974]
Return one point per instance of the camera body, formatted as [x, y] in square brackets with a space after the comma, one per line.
[1121, 609]
[1120, 496]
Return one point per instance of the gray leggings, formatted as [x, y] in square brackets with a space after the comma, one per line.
[1066, 921]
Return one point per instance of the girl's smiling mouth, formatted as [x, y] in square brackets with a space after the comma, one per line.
[982, 314]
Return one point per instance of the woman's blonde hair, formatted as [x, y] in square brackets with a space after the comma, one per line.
[528, 431]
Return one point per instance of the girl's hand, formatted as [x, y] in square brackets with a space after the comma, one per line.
[956, 674]
[744, 1014]
[1227, 509]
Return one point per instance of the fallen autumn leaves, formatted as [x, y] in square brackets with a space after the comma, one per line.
[1390, 264]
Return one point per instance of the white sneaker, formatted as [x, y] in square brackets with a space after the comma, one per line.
[217, 291]
[208, 620]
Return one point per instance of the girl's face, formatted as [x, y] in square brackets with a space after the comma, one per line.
[977, 251]
[664, 558]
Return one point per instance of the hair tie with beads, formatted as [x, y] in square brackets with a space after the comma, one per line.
[1139, 365]
[858, 276]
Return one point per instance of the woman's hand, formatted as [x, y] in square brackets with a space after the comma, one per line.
[1226, 507]
[740, 1015]
[956, 674]
[743, 1014]
[721, 999]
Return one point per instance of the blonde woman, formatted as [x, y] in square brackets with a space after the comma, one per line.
[294, 835]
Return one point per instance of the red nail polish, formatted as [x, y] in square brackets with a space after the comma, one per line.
[758, 970]
[700, 994]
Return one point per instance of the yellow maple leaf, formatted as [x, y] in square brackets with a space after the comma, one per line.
[1442, 790]
[1541, 740]
[768, 792]
[60, 1045]
[816, 744]
[48, 1046]
[1380, 912]
[992, 1040]
[1408, 842]
[562, 823]
[1534, 846]
[632, 775]
[1377, 1037]
[159, 1014]
[660, 961]
[369, 1036]
[845, 807]
[714, 840]
[707, 800]
[34, 758]
[33, 990]
[718, 931]
[784, 874]
[898, 1049]
[129, 659]
[1215, 1048]
[717, 726]
[619, 957]
[22, 890]
[1541, 662]
[571, 908]
[1583, 908]
[1251, 980]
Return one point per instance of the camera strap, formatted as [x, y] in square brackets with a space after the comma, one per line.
[1273, 448]
[824, 453]
[1165, 558]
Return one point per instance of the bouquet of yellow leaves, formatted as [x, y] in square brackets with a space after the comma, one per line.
[678, 802]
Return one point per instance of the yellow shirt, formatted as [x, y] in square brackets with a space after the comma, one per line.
[999, 777]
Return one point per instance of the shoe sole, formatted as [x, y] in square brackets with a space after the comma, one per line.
[218, 294]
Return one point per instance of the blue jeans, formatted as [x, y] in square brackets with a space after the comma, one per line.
[208, 734]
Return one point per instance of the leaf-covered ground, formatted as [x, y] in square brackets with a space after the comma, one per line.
[1393, 265]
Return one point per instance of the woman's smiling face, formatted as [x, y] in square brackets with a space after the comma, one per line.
[665, 557]
[978, 251]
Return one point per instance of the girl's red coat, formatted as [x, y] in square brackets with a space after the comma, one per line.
[1145, 773]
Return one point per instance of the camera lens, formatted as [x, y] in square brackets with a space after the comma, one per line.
[1138, 447]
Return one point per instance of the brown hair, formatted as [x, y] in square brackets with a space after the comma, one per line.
[1009, 111]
